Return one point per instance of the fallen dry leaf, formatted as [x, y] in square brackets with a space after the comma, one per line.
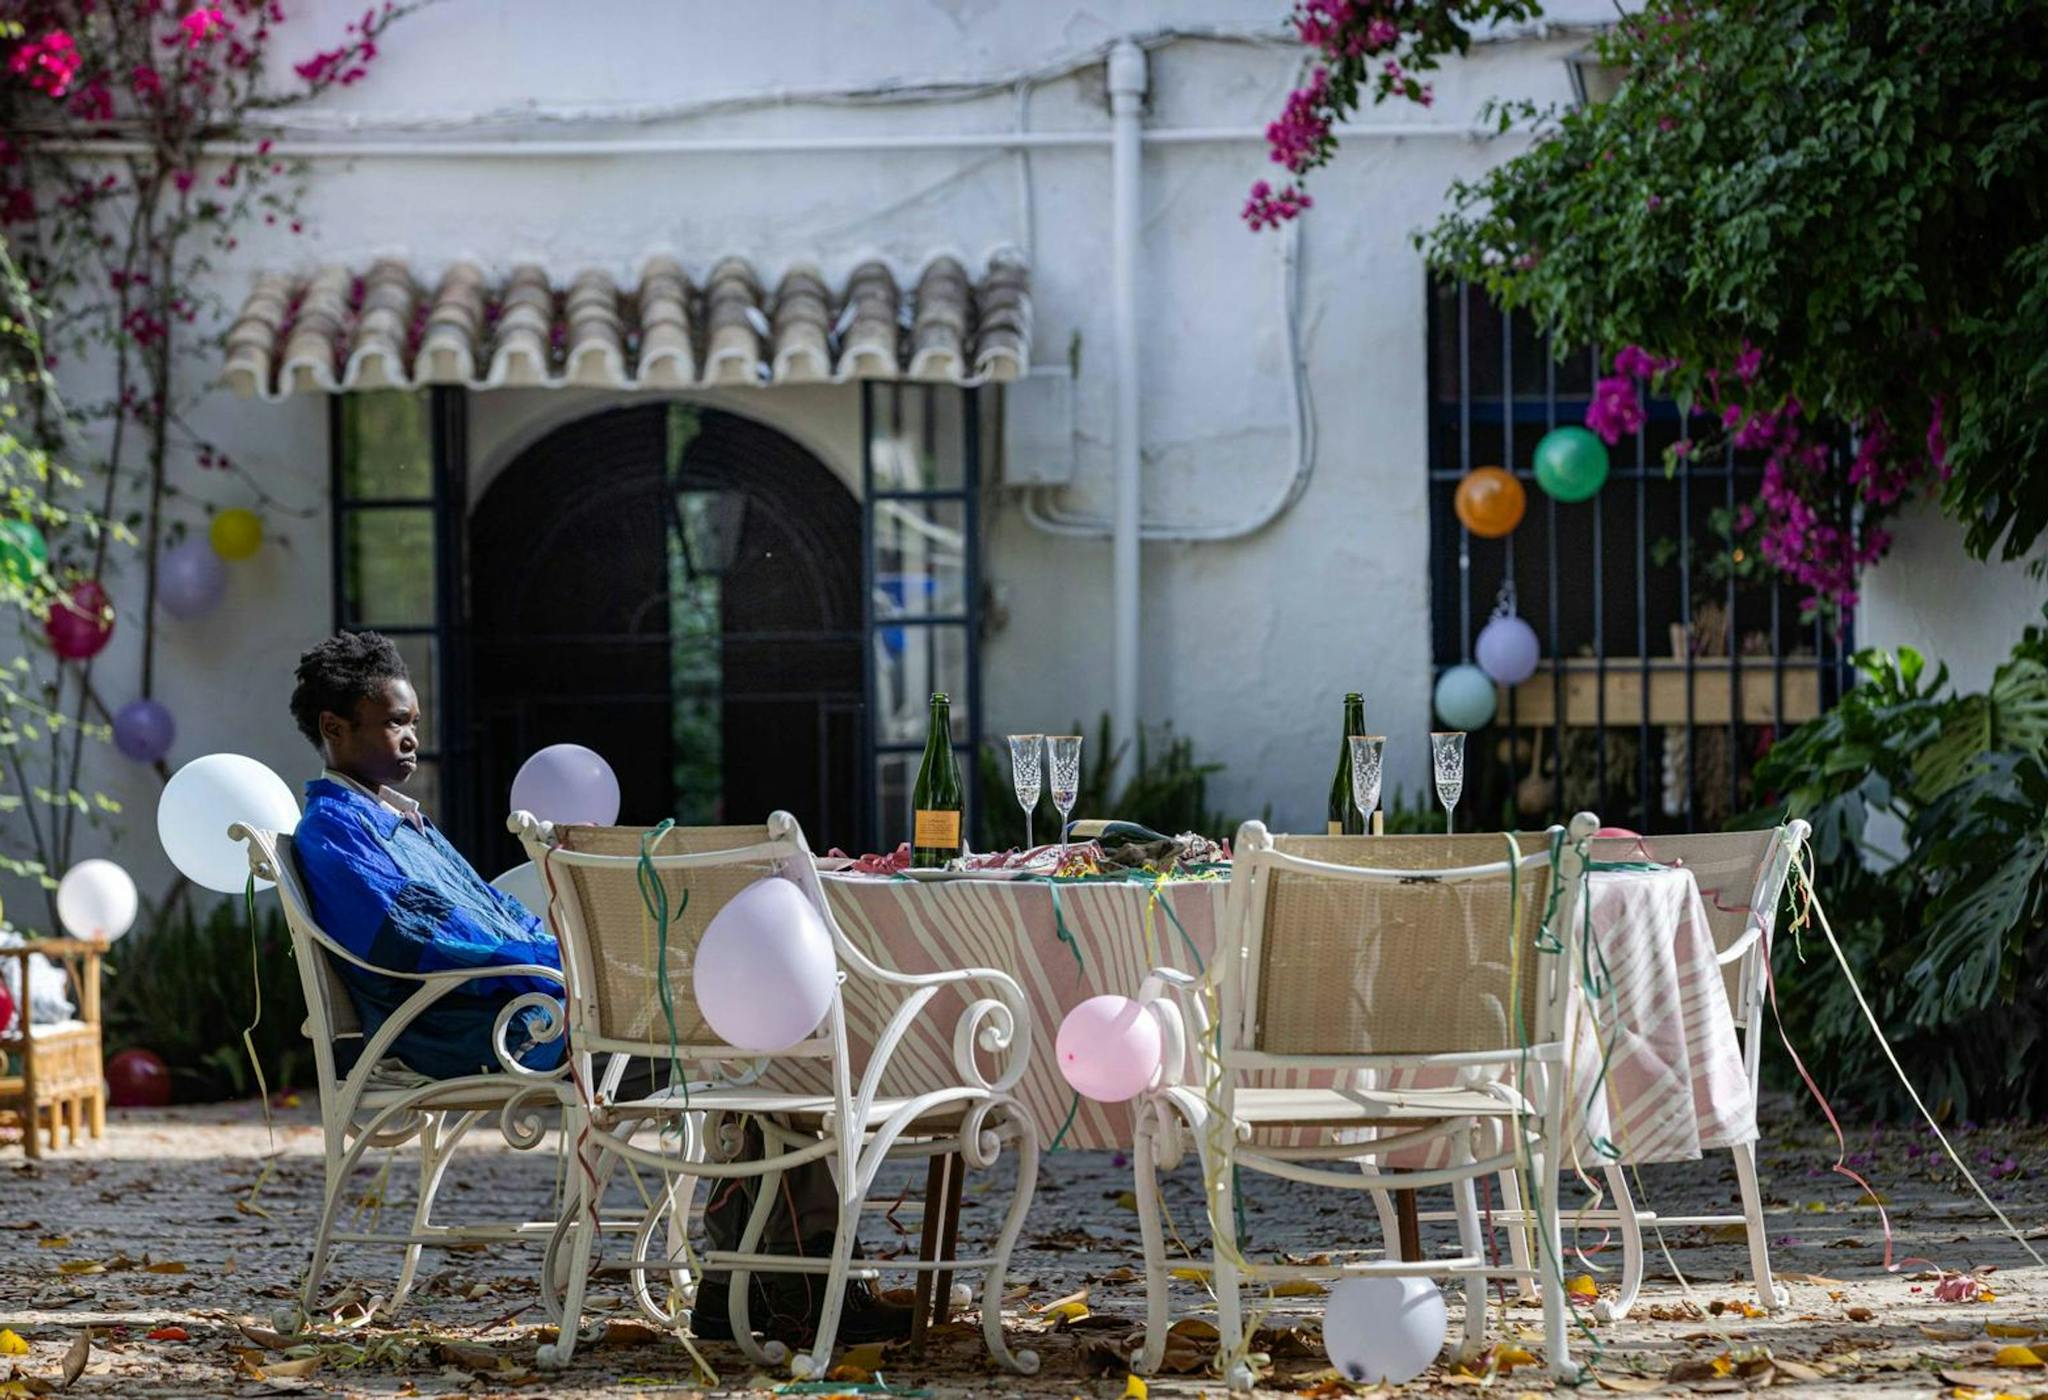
[53, 1241]
[1629, 1385]
[292, 1370]
[1299, 1288]
[1799, 1370]
[1711, 1368]
[1984, 1381]
[77, 1356]
[1582, 1286]
[170, 1334]
[2010, 1329]
[2018, 1357]
[1506, 1358]
[1947, 1334]
[12, 1345]
[867, 1357]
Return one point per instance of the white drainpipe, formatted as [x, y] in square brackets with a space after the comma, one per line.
[1126, 105]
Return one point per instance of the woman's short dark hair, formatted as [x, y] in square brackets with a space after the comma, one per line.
[347, 667]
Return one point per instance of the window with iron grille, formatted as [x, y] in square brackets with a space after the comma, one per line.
[1671, 656]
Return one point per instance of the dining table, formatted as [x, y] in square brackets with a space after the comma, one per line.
[1657, 1073]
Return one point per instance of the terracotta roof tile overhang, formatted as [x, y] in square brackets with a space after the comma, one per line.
[339, 330]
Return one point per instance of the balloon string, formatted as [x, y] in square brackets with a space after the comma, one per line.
[1810, 910]
[249, 1044]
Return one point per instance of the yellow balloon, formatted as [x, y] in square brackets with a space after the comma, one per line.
[237, 534]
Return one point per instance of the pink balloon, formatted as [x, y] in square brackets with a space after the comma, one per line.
[1619, 833]
[1109, 1048]
[569, 784]
[765, 970]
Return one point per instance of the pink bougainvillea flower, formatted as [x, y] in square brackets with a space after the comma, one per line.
[1302, 133]
[204, 24]
[1616, 410]
[50, 63]
[1267, 208]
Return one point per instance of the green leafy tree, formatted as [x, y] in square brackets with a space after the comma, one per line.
[1825, 228]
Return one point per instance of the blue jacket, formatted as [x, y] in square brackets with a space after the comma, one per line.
[393, 892]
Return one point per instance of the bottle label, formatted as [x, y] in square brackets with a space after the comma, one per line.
[937, 831]
[1336, 828]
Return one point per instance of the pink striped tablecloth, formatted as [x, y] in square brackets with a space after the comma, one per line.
[1675, 1081]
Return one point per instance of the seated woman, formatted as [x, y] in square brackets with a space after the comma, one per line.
[386, 884]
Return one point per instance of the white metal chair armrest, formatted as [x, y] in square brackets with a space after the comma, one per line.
[1174, 997]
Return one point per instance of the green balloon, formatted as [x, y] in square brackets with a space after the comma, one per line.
[1571, 463]
[23, 554]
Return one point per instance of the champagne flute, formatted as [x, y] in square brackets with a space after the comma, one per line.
[1063, 753]
[1368, 752]
[1447, 759]
[1027, 776]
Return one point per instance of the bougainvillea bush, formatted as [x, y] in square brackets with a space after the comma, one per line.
[1361, 50]
[1824, 229]
[134, 156]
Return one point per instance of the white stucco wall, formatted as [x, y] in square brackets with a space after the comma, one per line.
[1248, 645]
[1930, 595]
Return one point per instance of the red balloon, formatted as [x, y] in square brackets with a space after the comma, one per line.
[80, 621]
[138, 1079]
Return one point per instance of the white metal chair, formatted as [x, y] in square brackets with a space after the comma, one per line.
[378, 1103]
[612, 960]
[1741, 876]
[1377, 973]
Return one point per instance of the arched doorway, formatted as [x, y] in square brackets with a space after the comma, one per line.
[679, 588]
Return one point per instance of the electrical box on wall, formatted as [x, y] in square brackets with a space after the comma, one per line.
[1038, 428]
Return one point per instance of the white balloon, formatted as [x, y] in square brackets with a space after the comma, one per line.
[1384, 1329]
[765, 970]
[200, 802]
[96, 899]
[524, 884]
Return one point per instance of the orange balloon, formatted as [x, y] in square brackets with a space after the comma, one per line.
[1490, 502]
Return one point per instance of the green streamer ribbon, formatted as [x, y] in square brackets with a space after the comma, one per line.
[654, 896]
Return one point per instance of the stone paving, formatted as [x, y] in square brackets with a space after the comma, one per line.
[147, 1233]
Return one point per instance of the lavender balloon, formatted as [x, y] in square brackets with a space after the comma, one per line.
[765, 970]
[568, 784]
[191, 580]
[1507, 649]
[143, 730]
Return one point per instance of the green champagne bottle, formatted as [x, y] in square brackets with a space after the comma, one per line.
[1345, 818]
[935, 829]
